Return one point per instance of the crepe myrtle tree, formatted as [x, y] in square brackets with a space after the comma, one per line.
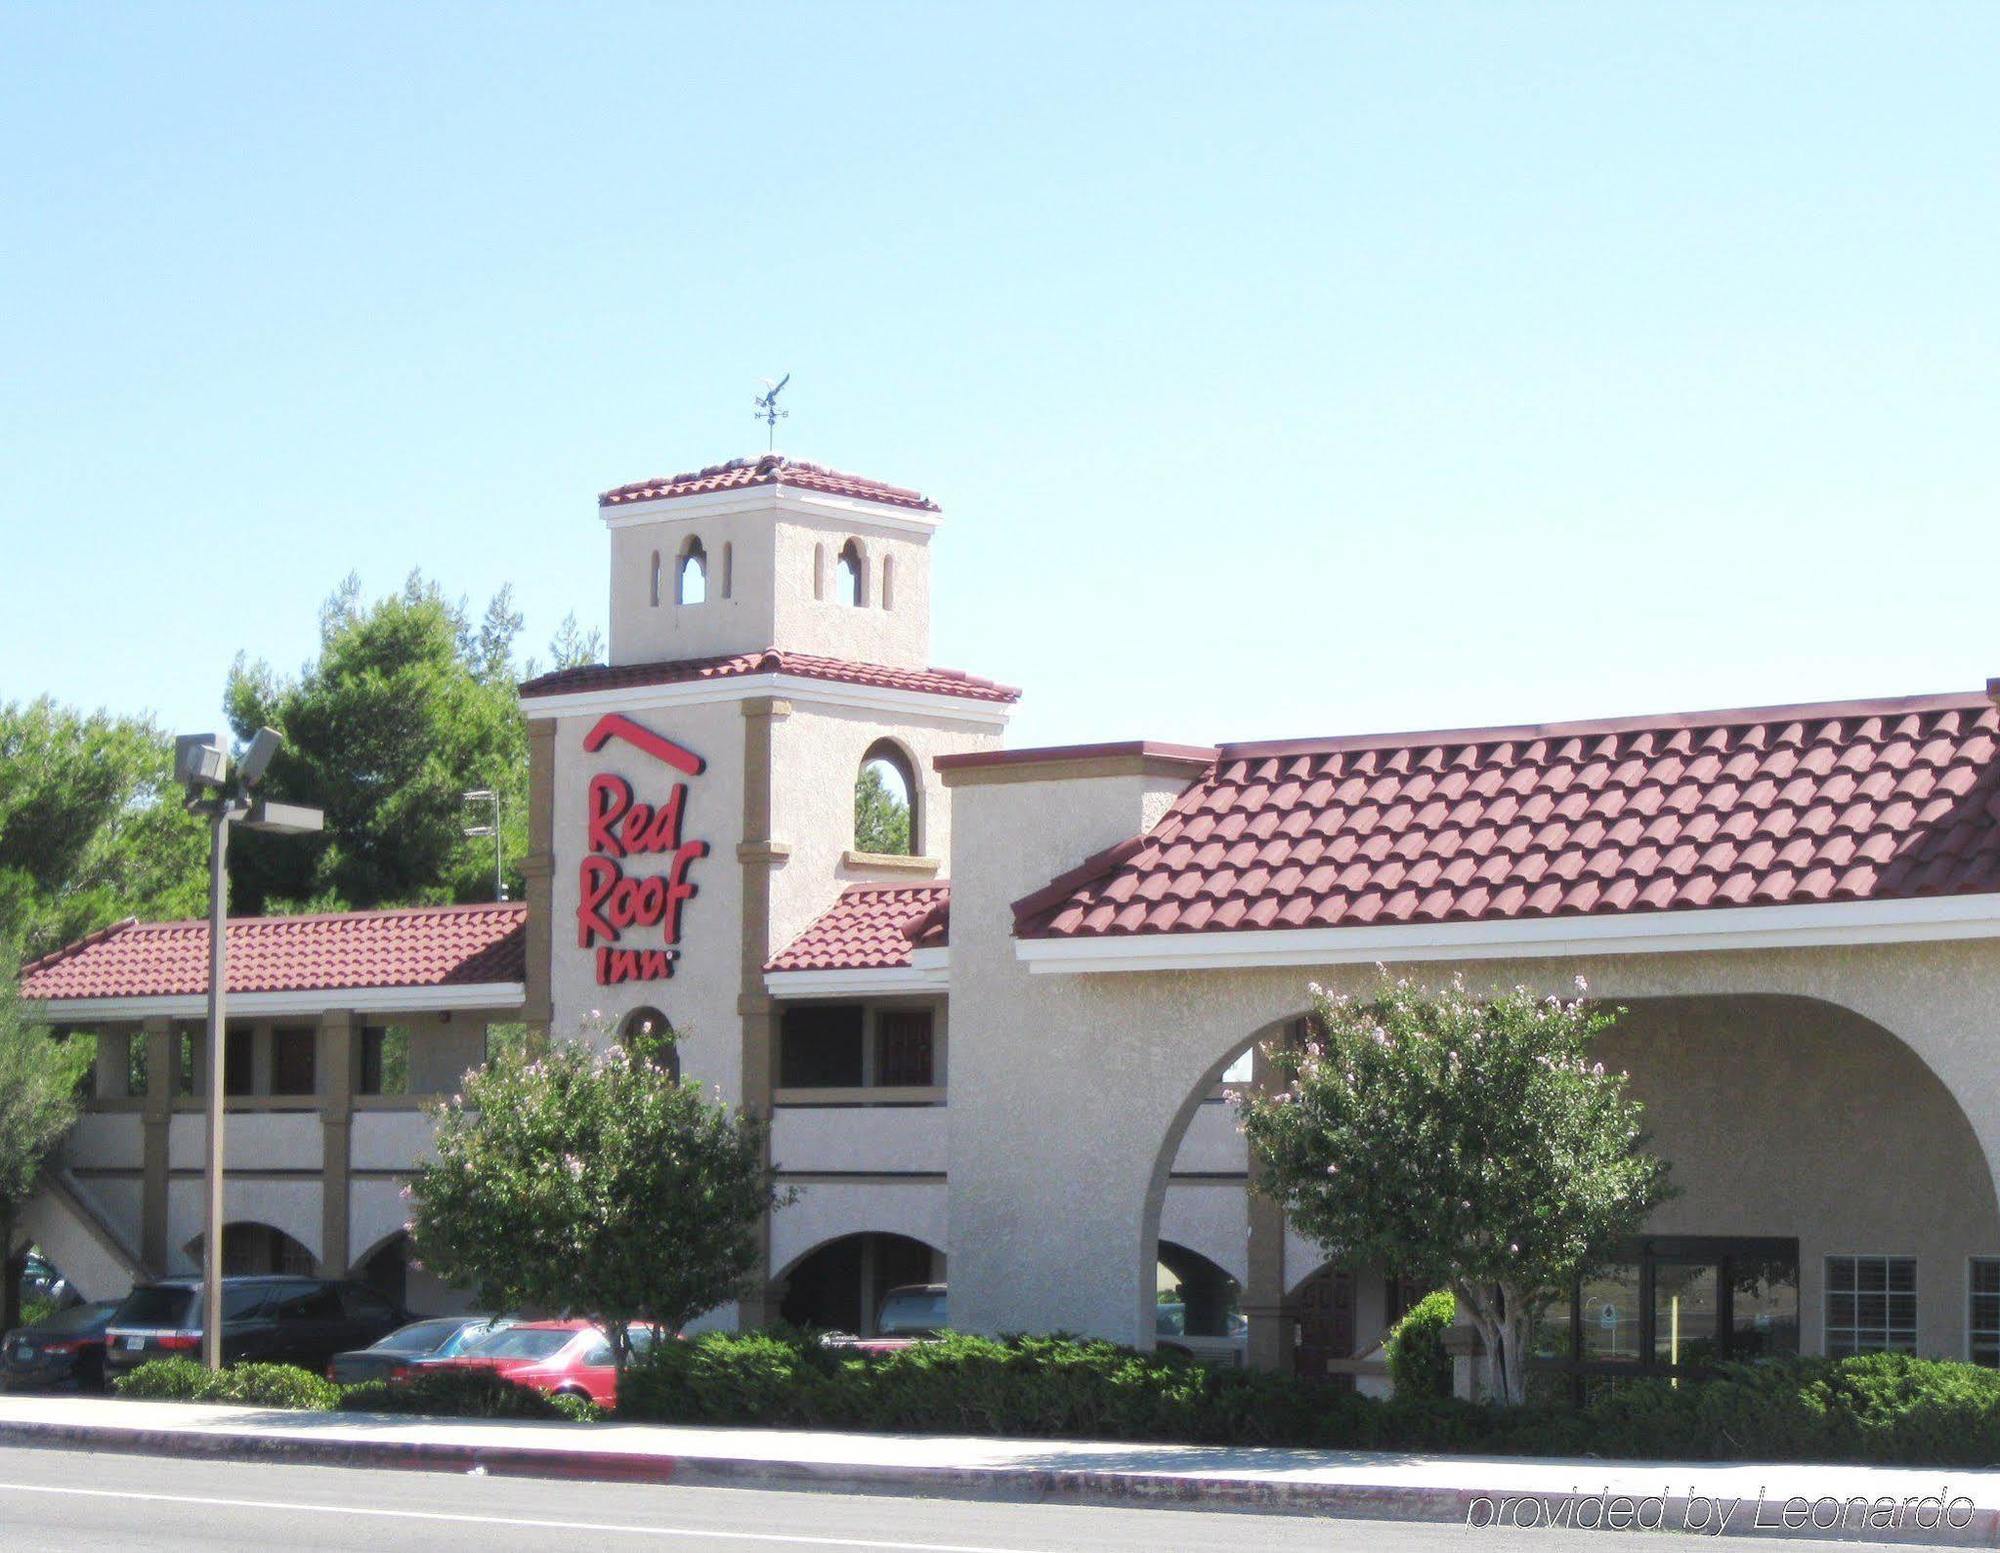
[589, 1179]
[1468, 1142]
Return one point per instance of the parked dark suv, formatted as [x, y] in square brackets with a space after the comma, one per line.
[265, 1320]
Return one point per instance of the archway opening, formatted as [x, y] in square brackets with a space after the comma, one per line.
[650, 1027]
[250, 1249]
[851, 576]
[1198, 1307]
[387, 1269]
[691, 577]
[885, 801]
[844, 1285]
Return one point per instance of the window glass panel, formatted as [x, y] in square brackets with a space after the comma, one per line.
[903, 1047]
[237, 1070]
[1611, 1315]
[1984, 1312]
[1549, 1337]
[385, 1060]
[1871, 1305]
[1764, 1314]
[292, 1061]
[1686, 1312]
[820, 1048]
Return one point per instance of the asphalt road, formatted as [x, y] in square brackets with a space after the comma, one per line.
[84, 1501]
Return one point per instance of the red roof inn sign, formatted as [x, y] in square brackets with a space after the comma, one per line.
[621, 829]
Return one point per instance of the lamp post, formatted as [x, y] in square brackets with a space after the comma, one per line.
[201, 765]
[491, 796]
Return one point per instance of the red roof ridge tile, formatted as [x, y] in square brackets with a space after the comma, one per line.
[766, 469]
[1662, 721]
[769, 660]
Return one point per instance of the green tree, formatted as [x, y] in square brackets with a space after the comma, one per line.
[91, 827]
[881, 814]
[593, 1182]
[41, 1079]
[406, 707]
[1464, 1141]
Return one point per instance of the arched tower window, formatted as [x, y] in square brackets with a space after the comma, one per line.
[654, 588]
[851, 579]
[650, 1025]
[888, 582]
[728, 569]
[885, 801]
[691, 578]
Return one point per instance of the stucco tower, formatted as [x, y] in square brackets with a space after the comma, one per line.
[693, 798]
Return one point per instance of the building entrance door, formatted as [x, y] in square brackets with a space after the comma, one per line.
[1324, 1304]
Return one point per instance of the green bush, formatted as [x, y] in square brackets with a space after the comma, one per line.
[1883, 1408]
[458, 1393]
[1418, 1363]
[258, 1385]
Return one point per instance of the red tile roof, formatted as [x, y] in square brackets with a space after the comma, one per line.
[1834, 802]
[937, 682]
[871, 927]
[428, 946]
[767, 469]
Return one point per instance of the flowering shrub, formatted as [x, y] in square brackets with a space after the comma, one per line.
[1469, 1142]
[593, 1182]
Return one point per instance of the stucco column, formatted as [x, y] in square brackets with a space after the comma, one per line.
[757, 854]
[162, 1050]
[538, 870]
[335, 1067]
[1265, 1306]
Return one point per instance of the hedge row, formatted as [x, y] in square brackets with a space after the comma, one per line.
[1881, 1408]
[444, 1394]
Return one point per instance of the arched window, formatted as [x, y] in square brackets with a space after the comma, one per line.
[885, 801]
[888, 582]
[819, 571]
[691, 581]
[649, 1025]
[728, 569]
[851, 579]
[654, 589]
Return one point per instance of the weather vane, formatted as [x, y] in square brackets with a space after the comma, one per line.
[767, 408]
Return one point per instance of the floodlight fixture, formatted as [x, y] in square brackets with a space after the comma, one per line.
[201, 760]
[265, 743]
[284, 819]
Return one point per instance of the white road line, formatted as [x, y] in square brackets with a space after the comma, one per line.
[780, 1538]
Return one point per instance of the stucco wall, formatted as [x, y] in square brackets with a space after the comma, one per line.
[877, 1138]
[771, 602]
[831, 1209]
[700, 998]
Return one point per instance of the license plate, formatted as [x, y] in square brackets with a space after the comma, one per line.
[23, 1351]
[134, 1343]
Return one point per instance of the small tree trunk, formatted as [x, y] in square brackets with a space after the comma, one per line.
[1500, 1313]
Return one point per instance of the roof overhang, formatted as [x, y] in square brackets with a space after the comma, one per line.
[929, 970]
[1815, 925]
[792, 687]
[822, 505]
[362, 1000]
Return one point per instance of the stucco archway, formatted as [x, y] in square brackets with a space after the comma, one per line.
[1783, 1115]
[839, 1284]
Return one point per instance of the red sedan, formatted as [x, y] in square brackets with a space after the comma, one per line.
[564, 1358]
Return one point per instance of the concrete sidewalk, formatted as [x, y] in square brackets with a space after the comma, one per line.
[1872, 1504]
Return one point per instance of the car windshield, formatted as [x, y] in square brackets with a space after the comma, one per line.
[912, 1311]
[520, 1343]
[156, 1305]
[78, 1318]
[418, 1337]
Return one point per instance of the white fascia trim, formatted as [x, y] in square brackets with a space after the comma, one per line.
[888, 981]
[795, 687]
[1813, 925]
[363, 1000]
[769, 498]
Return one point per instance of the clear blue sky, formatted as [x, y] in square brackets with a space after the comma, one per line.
[1282, 370]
